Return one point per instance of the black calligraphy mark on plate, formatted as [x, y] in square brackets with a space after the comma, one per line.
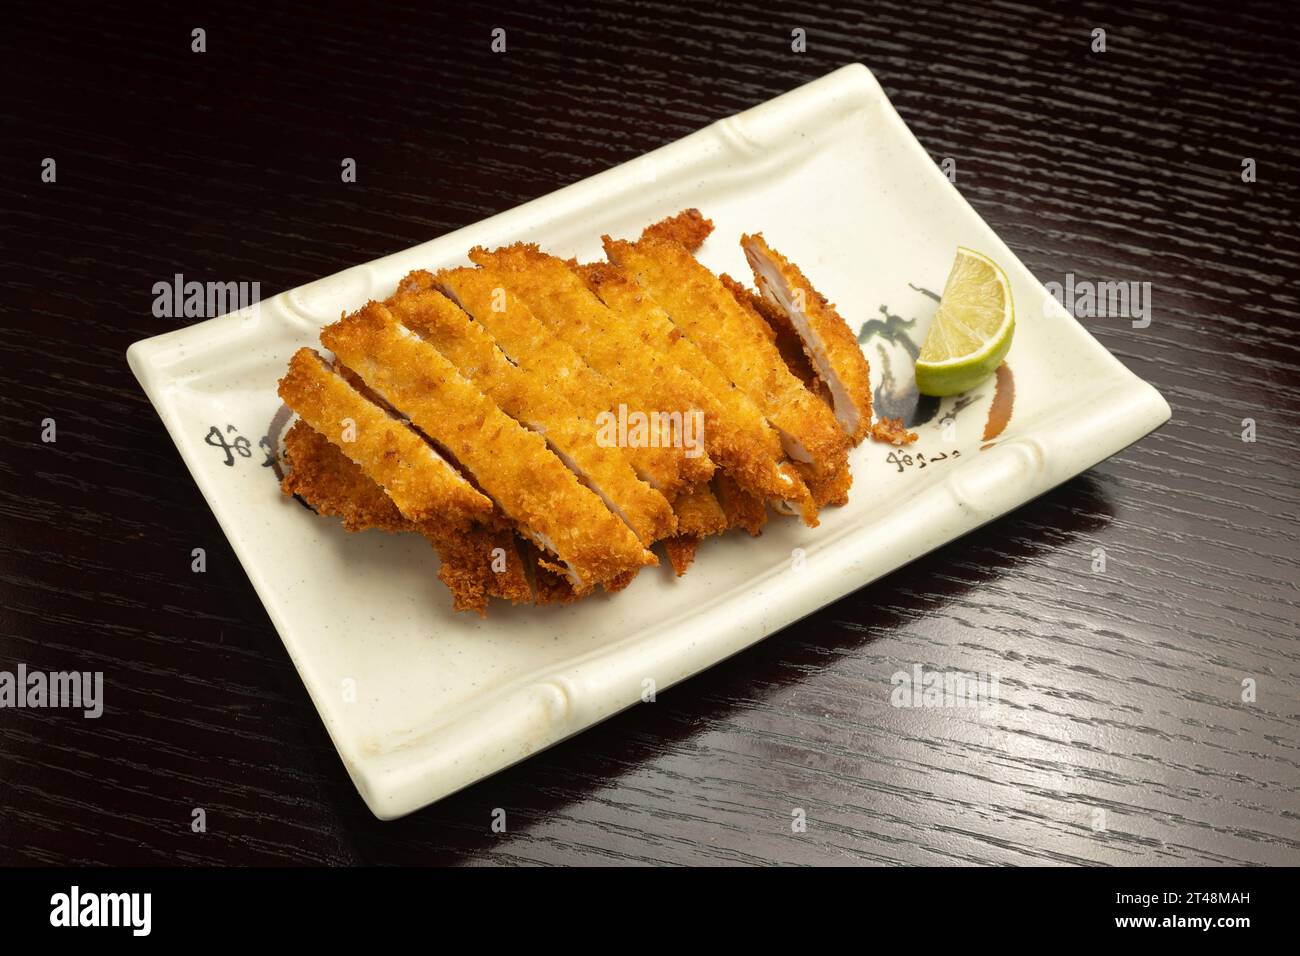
[240, 446]
[925, 292]
[905, 460]
[894, 329]
[964, 400]
[270, 442]
[897, 397]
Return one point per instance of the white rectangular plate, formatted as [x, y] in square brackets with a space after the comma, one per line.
[421, 701]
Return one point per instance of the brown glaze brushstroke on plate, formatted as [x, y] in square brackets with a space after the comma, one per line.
[1004, 400]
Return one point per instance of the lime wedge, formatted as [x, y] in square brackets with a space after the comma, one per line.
[972, 331]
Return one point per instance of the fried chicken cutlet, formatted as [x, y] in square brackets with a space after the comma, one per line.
[473, 405]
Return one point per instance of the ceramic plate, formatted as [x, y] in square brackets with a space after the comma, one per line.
[421, 701]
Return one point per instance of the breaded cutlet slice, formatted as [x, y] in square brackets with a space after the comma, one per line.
[421, 483]
[741, 509]
[417, 280]
[681, 551]
[832, 489]
[557, 295]
[736, 433]
[734, 338]
[511, 464]
[827, 340]
[330, 481]
[334, 485]
[481, 292]
[689, 227]
[527, 397]
[479, 562]
[699, 513]
[550, 584]
[783, 335]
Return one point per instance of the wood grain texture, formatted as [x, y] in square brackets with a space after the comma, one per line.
[1121, 692]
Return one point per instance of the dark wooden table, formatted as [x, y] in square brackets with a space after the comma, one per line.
[1122, 736]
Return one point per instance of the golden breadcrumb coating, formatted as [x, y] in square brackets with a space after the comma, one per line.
[478, 563]
[783, 335]
[829, 343]
[471, 566]
[550, 582]
[334, 485]
[736, 433]
[689, 227]
[734, 338]
[620, 582]
[557, 295]
[699, 514]
[681, 552]
[528, 398]
[831, 490]
[419, 481]
[892, 431]
[742, 510]
[511, 464]
[418, 280]
[528, 343]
